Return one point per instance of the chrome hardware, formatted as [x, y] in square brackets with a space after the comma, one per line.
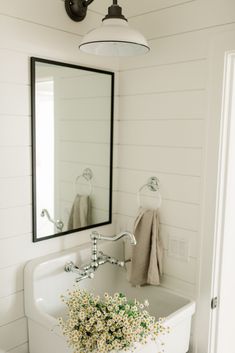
[70, 267]
[214, 303]
[84, 272]
[89, 275]
[58, 223]
[98, 258]
[97, 236]
[102, 259]
[153, 184]
[87, 174]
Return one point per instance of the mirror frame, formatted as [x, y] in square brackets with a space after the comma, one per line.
[33, 61]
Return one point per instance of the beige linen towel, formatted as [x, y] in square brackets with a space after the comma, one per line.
[147, 255]
[80, 215]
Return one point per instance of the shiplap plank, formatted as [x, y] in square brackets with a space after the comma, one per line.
[15, 221]
[180, 215]
[13, 334]
[97, 154]
[135, 8]
[15, 192]
[88, 108]
[127, 223]
[15, 161]
[99, 196]
[175, 77]
[162, 133]
[182, 48]
[186, 17]
[85, 131]
[50, 14]
[70, 171]
[14, 67]
[191, 14]
[62, 21]
[15, 131]
[99, 216]
[172, 213]
[36, 40]
[11, 279]
[184, 288]
[90, 85]
[172, 187]
[169, 105]
[11, 255]
[182, 270]
[11, 308]
[168, 160]
[175, 49]
[23, 348]
[19, 94]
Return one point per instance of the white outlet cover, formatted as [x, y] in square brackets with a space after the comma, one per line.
[178, 248]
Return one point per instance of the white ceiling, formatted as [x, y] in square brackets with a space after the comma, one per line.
[135, 7]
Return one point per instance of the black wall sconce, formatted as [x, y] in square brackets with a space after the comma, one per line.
[114, 37]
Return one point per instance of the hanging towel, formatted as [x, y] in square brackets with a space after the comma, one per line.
[80, 215]
[147, 255]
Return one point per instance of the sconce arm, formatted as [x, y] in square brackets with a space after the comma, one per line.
[77, 9]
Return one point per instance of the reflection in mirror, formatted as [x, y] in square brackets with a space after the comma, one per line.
[72, 129]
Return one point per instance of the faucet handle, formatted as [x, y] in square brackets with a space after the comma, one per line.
[90, 275]
[95, 235]
[121, 263]
[69, 266]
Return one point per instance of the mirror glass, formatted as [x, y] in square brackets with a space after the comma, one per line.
[72, 136]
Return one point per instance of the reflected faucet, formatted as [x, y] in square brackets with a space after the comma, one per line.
[98, 257]
[58, 223]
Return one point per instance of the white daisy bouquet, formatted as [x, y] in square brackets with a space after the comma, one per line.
[110, 323]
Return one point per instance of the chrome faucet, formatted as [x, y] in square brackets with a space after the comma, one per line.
[98, 257]
[57, 223]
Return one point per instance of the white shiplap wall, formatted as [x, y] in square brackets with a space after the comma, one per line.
[162, 124]
[163, 109]
[27, 29]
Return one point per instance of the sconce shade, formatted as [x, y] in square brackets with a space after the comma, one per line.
[114, 38]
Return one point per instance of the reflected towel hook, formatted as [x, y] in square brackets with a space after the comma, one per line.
[87, 174]
[153, 184]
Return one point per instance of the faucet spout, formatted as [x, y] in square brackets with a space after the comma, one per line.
[97, 236]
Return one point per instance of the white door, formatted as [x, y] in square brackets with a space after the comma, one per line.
[215, 327]
[223, 325]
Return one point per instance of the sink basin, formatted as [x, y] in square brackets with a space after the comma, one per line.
[46, 280]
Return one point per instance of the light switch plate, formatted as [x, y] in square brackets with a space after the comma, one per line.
[178, 248]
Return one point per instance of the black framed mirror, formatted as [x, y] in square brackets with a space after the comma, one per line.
[72, 147]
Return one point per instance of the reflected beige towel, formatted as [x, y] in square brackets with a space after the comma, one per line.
[147, 255]
[80, 215]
